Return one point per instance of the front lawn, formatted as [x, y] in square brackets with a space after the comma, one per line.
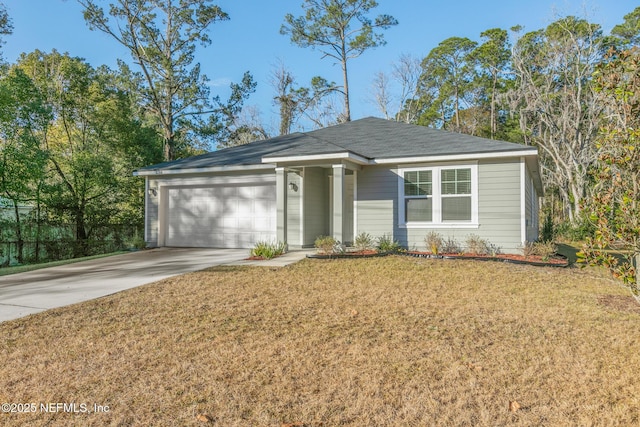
[382, 341]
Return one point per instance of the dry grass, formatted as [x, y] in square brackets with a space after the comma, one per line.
[385, 342]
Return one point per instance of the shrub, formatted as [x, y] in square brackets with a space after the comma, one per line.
[387, 244]
[579, 231]
[547, 233]
[494, 249]
[268, 250]
[451, 246]
[137, 243]
[326, 244]
[477, 245]
[542, 249]
[434, 242]
[364, 242]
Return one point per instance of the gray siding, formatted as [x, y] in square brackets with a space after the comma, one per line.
[499, 213]
[499, 204]
[531, 209]
[316, 204]
[294, 205]
[376, 201]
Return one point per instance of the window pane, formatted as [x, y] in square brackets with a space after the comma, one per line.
[417, 183]
[419, 209]
[425, 189]
[448, 188]
[456, 181]
[456, 208]
[463, 175]
[464, 188]
[424, 176]
[410, 189]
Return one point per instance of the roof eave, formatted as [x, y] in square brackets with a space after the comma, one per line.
[453, 157]
[210, 169]
[355, 158]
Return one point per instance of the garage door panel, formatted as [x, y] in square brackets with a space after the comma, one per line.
[221, 216]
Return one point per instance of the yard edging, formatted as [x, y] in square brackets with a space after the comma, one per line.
[447, 256]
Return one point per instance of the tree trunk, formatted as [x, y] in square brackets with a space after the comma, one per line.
[38, 227]
[82, 248]
[19, 240]
[347, 108]
[493, 106]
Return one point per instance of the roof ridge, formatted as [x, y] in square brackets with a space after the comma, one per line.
[333, 143]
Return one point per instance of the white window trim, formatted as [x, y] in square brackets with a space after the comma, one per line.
[437, 197]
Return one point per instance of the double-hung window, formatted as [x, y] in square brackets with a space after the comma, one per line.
[439, 196]
[456, 194]
[418, 195]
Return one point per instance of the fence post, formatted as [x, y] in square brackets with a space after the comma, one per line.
[637, 267]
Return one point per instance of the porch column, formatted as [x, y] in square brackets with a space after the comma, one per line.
[338, 203]
[281, 205]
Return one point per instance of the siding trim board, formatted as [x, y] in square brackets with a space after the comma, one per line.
[523, 201]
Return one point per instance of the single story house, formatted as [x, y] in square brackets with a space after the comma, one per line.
[369, 175]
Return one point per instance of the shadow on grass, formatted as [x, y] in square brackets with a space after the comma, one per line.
[569, 251]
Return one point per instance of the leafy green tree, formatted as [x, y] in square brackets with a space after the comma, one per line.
[6, 27]
[91, 142]
[447, 76]
[340, 29]
[629, 31]
[614, 207]
[492, 58]
[23, 116]
[162, 37]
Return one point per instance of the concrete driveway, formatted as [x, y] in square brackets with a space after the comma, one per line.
[35, 291]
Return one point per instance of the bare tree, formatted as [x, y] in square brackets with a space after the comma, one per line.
[396, 96]
[407, 73]
[558, 106]
[381, 96]
[315, 102]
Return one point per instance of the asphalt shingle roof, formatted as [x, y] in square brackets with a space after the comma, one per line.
[371, 137]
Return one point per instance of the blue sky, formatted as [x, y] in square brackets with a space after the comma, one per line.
[250, 40]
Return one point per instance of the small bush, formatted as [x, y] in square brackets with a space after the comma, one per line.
[579, 231]
[326, 244]
[387, 244]
[268, 250]
[542, 249]
[434, 242]
[547, 233]
[364, 242]
[477, 245]
[451, 246]
[137, 243]
[494, 249]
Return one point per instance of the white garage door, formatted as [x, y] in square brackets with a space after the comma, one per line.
[228, 216]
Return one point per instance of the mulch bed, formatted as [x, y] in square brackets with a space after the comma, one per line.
[556, 260]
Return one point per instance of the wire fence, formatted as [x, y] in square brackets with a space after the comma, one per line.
[58, 242]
